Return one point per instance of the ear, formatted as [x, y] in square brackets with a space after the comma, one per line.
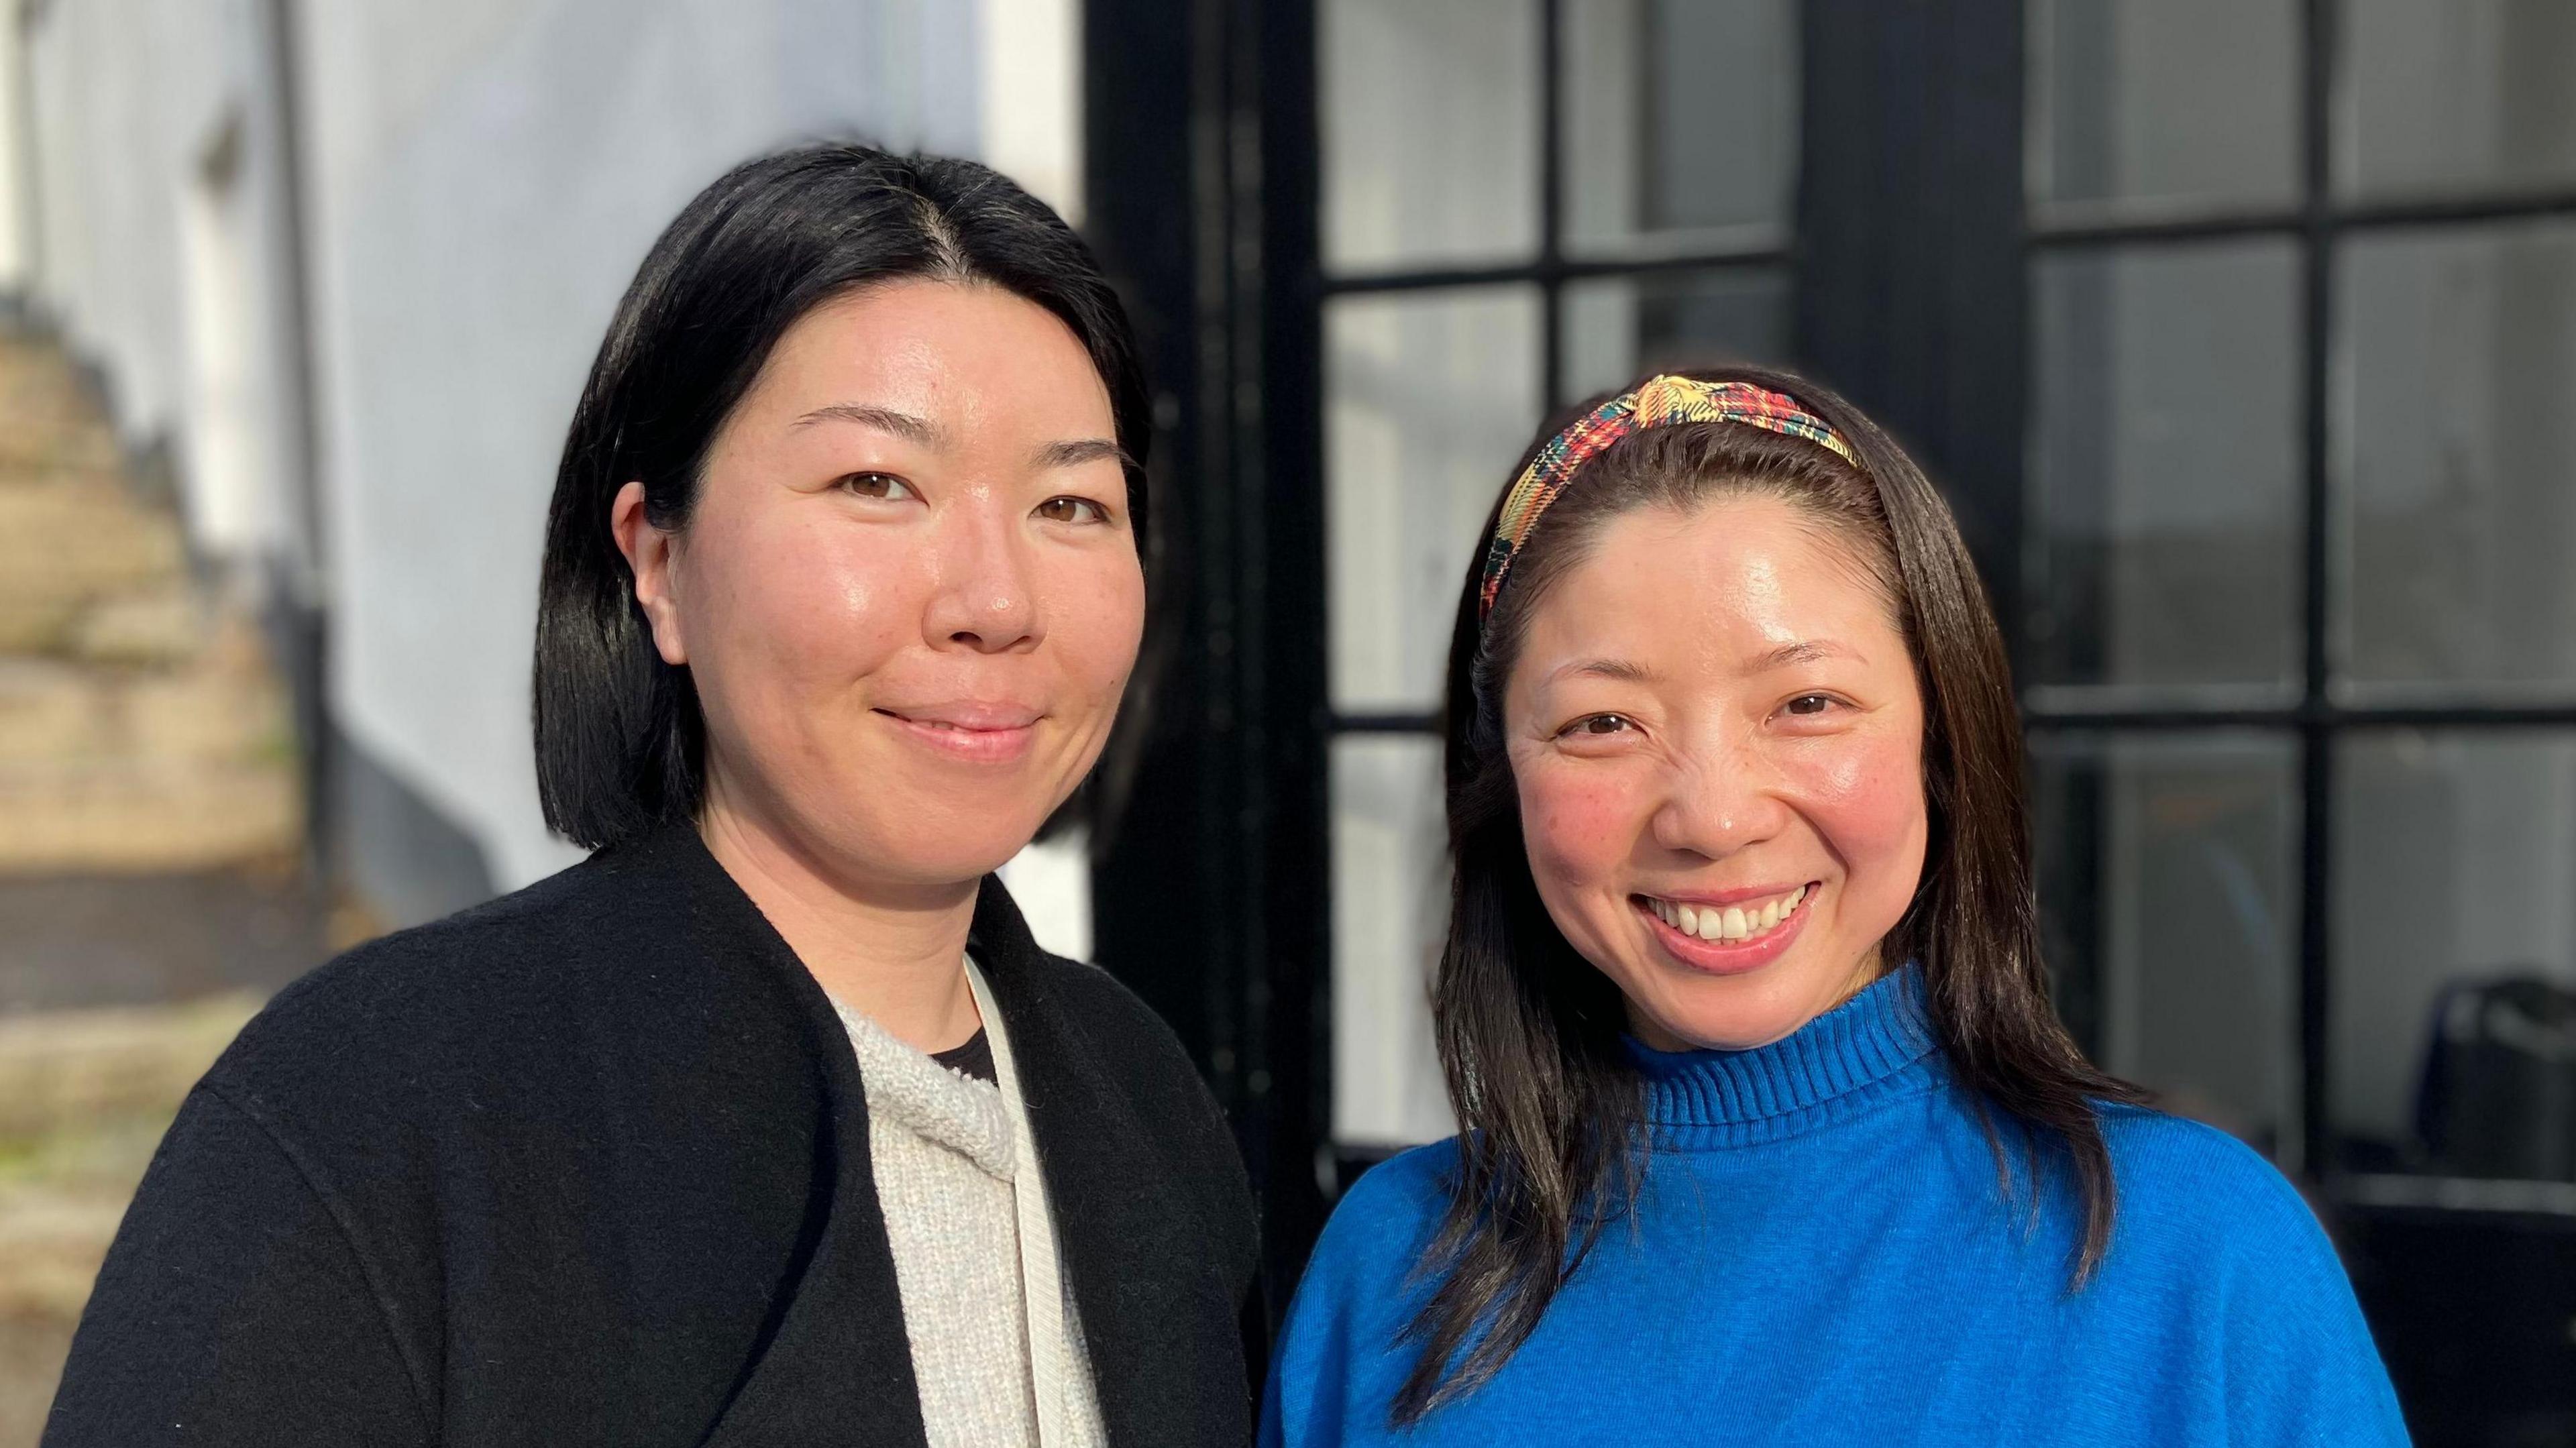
[648, 551]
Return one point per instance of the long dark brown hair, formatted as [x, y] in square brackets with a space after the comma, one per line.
[1552, 1136]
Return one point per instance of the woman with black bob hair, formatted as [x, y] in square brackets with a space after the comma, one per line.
[1768, 1133]
[769, 1124]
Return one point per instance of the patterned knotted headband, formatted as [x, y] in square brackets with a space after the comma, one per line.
[1662, 402]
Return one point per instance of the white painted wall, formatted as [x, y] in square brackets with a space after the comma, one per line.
[1030, 71]
[109, 139]
[15, 218]
[154, 201]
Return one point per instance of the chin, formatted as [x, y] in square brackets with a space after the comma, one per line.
[1735, 1033]
[942, 862]
[922, 846]
[1743, 1014]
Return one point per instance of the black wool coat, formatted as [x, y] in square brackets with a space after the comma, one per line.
[589, 1165]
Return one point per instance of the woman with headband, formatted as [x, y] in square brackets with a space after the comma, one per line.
[1769, 1134]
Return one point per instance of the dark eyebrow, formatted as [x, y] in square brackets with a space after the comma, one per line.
[1802, 652]
[1076, 452]
[1629, 671]
[884, 419]
[1068, 454]
[1624, 670]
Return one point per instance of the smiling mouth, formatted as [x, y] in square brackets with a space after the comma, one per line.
[1735, 924]
[952, 726]
[967, 715]
[971, 734]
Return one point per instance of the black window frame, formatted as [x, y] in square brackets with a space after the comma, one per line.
[2320, 223]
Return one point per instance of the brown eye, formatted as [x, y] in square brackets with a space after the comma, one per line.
[1810, 704]
[1602, 724]
[877, 485]
[1072, 510]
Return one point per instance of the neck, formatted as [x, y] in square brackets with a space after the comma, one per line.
[895, 955]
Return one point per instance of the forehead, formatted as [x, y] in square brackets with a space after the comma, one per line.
[965, 352]
[1736, 576]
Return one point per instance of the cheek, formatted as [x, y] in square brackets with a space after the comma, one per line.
[1579, 825]
[797, 604]
[1864, 794]
[1096, 620]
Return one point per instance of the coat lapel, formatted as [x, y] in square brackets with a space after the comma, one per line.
[836, 1367]
[1151, 1306]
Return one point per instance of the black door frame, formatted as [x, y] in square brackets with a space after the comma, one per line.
[1209, 879]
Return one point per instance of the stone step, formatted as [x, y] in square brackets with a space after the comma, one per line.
[84, 1098]
[162, 628]
[221, 707]
[143, 816]
[63, 1071]
[141, 730]
[141, 769]
[70, 544]
[48, 416]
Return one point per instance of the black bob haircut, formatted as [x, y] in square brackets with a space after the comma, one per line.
[619, 737]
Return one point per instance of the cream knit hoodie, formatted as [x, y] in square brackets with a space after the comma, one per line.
[948, 1172]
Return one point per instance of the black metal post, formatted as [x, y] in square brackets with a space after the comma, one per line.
[1283, 500]
[302, 604]
[1910, 286]
[2316, 733]
[1551, 203]
[1207, 888]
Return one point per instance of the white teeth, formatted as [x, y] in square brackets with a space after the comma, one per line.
[1729, 922]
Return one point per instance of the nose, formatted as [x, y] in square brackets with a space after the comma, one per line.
[984, 589]
[1724, 796]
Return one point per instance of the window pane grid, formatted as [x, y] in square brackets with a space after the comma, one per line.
[2329, 711]
[2130, 225]
[1761, 251]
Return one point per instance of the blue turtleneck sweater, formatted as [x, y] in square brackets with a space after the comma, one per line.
[1823, 1255]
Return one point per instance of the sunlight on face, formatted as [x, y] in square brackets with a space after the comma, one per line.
[1718, 741]
[909, 594]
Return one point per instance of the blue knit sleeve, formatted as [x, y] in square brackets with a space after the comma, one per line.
[2301, 1364]
[1338, 1363]
[2296, 1358]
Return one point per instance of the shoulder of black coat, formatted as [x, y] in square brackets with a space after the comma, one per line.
[1138, 1049]
[639, 941]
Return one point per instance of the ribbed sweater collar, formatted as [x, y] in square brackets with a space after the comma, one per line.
[1877, 1044]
